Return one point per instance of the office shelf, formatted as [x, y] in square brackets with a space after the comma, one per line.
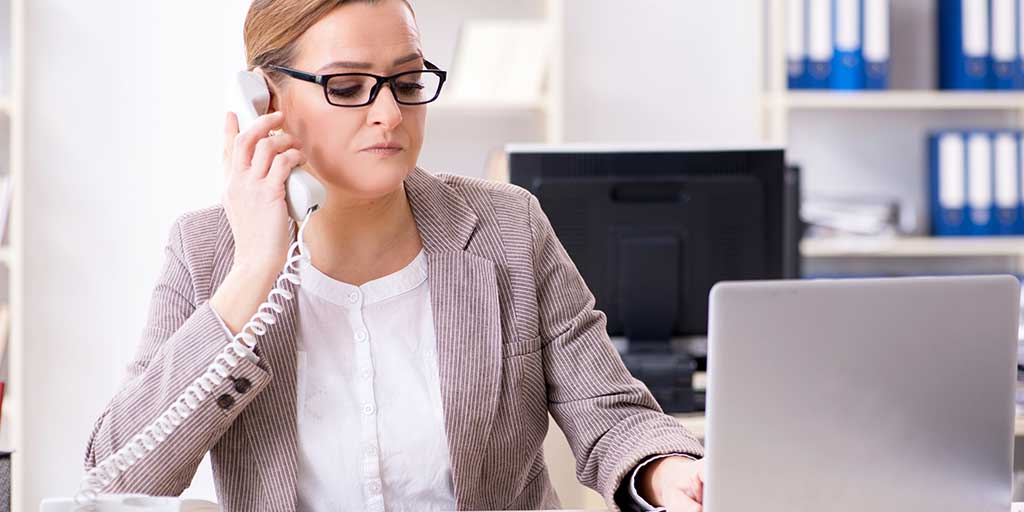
[913, 247]
[924, 100]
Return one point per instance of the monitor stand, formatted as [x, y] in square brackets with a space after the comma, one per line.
[649, 302]
[669, 377]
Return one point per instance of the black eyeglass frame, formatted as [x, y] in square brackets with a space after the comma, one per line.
[322, 80]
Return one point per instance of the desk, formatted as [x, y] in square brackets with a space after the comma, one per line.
[562, 465]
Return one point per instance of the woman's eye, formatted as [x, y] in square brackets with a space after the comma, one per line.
[410, 86]
[347, 92]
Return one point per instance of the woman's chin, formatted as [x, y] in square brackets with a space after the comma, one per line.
[374, 181]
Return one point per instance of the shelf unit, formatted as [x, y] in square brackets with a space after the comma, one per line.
[462, 135]
[874, 141]
[778, 102]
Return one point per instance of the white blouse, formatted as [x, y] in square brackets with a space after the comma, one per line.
[370, 415]
[371, 419]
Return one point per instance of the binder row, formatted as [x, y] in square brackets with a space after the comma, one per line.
[976, 186]
[837, 44]
[981, 44]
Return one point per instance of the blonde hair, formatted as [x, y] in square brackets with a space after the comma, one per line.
[273, 27]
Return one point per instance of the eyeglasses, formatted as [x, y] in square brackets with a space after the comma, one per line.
[360, 89]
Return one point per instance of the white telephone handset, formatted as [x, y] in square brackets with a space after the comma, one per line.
[304, 195]
[251, 100]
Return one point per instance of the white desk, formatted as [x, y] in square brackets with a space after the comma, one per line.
[562, 465]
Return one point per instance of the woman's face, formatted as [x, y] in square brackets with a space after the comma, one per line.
[366, 38]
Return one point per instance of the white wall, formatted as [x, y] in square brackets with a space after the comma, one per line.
[658, 71]
[123, 118]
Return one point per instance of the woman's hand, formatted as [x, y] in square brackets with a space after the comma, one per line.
[256, 167]
[676, 483]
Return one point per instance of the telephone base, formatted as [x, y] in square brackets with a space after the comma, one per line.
[131, 503]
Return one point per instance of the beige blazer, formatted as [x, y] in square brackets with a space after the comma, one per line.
[517, 337]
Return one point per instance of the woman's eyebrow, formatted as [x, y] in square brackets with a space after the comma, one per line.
[366, 65]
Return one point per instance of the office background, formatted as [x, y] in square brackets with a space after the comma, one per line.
[115, 121]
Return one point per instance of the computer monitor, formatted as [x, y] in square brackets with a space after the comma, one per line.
[651, 230]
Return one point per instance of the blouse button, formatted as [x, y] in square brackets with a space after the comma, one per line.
[360, 335]
[373, 487]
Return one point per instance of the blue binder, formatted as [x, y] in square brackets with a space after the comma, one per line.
[948, 183]
[847, 55]
[1005, 53]
[819, 44]
[980, 188]
[876, 43]
[1020, 184]
[1019, 81]
[796, 44]
[964, 56]
[1006, 181]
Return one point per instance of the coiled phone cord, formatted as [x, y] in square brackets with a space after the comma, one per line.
[146, 441]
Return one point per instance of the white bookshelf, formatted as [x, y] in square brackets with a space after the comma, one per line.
[779, 103]
[462, 135]
[873, 143]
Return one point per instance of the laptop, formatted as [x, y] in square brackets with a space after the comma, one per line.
[862, 394]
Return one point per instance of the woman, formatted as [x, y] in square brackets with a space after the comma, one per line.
[437, 324]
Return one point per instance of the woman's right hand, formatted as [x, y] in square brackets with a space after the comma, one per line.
[256, 167]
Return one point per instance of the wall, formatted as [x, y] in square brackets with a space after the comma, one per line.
[657, 71]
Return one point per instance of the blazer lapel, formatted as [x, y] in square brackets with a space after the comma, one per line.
[467, 322]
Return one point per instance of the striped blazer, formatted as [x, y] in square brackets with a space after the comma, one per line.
[517, 338]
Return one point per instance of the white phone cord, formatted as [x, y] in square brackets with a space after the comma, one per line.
[144, 443]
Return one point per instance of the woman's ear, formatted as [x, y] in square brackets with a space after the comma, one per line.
[274, 95]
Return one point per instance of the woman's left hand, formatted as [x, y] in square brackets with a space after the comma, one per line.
[676, 483]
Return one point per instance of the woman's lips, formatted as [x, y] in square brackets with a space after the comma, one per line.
[383, 151]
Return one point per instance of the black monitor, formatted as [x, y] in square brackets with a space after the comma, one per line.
[652, 230]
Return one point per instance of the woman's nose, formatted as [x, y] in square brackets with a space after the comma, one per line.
[385, 109]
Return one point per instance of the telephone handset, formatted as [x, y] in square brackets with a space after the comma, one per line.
[252, 99]
[304, 195]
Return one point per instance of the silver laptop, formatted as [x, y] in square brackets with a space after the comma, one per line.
[866, 394]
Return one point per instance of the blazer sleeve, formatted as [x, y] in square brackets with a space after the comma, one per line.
[610, 419]
[179, 342]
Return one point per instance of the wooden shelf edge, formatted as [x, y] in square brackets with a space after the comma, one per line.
[846, 247]
[897, 100]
